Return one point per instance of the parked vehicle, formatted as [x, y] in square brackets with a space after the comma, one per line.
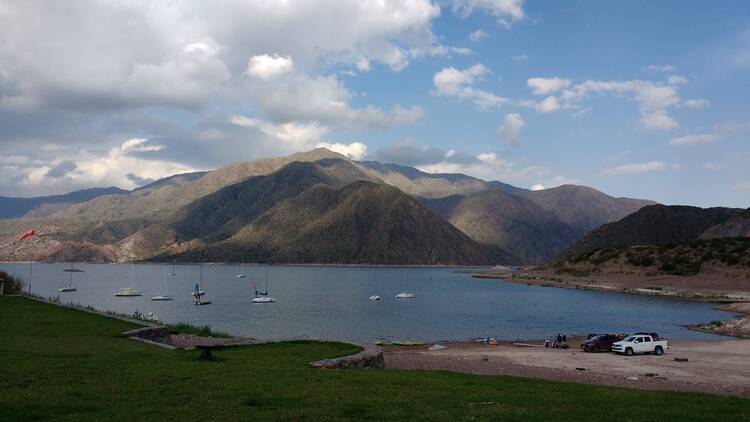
[640, 343]
[600, 343]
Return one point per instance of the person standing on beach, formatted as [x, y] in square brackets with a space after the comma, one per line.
[565, 338]
[559, 338]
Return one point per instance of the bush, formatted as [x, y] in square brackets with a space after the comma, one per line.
[12, 284]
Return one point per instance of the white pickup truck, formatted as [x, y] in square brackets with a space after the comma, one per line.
[640, 343]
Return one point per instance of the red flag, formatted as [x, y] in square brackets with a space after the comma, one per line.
[27, 234]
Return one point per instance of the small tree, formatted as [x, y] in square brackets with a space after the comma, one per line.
[12, 285]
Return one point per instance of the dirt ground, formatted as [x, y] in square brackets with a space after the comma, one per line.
[713, 366]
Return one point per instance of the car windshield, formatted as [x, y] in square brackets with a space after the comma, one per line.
[630, 339]
[597, 338]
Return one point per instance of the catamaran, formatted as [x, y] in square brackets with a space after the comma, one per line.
[163, 296]
[128, 291]
[262, 297]
[69, 287]
[375, 296]
[242, 270]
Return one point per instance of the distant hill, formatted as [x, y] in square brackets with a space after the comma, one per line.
[44, 205]
[737, 226]
[584, 208]
[509, 221]
[361, 223]
[652, 225]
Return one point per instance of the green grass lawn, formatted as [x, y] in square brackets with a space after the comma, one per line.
[65, 364]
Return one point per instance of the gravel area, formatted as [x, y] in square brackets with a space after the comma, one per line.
[189, 341]
[717, 367]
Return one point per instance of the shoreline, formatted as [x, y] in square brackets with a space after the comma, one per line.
[731, 300]
[314, 265]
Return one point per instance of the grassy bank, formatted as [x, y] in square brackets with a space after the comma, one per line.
[70, 365]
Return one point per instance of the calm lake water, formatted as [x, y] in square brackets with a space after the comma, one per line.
[332, 303]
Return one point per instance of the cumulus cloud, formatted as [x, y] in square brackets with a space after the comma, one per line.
[478, 35]
[459, 83]
[506, 12]
[545, 86]
[62, 169]
[293, 132]
[324, 99]
[139, 145]
[636, 168]
[654, 98]
[695, 139]
[264, 66]
[510, 129]
[355, 150]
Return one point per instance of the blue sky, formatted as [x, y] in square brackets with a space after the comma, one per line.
[641, 99]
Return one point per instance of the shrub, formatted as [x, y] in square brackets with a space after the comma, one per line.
[12, 284]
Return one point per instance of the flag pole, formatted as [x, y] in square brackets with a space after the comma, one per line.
[31, 265]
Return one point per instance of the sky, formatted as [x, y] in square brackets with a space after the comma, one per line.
[641, 99]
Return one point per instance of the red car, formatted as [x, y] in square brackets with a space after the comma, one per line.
[600, 343]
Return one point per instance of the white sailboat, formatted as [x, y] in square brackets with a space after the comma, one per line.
[406, 295]
[198, 293]
[128, 291]
[242, 270]
[375, 296]
[262, 297]
[163, 296]
[69, 287]
[173, 273]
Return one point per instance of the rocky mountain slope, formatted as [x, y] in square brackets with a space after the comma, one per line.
[652, 225]
[363, 222]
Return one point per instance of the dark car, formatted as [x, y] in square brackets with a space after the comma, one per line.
[600, 343]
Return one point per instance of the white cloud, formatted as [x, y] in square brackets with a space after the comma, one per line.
[478, 35]
[264, 66]
[545, 86]
[518, 58]
[659, 120]
[654, 99]
[696, 103]
[742, 186]
[510, 130]
[660, 69]
[695, 139]
[677, 80]
[635, 168]
[355, 150]
[139, 145]
[293, 132]
[505, 11]
[459, 83]
[537, 186]
[324, 99]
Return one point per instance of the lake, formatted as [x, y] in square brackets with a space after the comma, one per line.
[326, 302]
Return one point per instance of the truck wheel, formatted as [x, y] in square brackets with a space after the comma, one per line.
[659, 351]
[596, 350]
[628, 352]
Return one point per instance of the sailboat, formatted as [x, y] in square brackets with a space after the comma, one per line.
[375, 296]
[198, 293]
[128, 291]
[163, 296]
[242, 271]
[262, 297]
[173, 273]
[69, 287]
[406, 295]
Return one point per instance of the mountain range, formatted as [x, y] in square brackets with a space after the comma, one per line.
[317, 207]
